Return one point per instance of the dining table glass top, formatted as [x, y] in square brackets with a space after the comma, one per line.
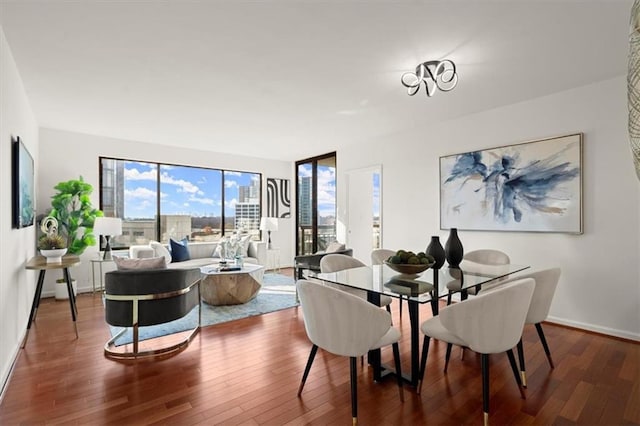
[419, 287]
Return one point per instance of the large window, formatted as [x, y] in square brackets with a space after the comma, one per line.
[161, 201]
[316, 202]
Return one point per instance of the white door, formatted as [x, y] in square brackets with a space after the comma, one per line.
[363, 214]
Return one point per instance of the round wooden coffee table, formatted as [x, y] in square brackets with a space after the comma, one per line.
[230, 288]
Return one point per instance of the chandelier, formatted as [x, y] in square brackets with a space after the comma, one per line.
[434, 74]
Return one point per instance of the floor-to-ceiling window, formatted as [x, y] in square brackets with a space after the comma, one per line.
[316, 203]
[161, 201]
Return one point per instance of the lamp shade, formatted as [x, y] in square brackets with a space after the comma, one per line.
[269, 224]
[107, 226]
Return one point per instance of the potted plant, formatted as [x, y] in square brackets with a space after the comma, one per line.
[53, 247]
[71, 207]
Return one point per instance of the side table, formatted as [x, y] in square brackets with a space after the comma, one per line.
[99, 261]
[273, 259]
[39, 263]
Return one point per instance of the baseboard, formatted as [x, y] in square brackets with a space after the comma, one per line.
[6, 375]
[594, 328]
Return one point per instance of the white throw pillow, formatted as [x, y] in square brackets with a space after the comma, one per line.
[245, 244]
[161, 250]
[126, 264]
[334, 246]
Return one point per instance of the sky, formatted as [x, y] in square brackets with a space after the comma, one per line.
[183, 190]
[326, 188]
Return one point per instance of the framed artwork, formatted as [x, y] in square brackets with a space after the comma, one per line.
[23, 185]
[278, 198]
[532, 186]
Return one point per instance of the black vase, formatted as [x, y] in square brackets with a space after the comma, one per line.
[435, 249]
[453, 249]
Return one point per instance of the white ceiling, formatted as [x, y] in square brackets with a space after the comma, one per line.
[293, 79]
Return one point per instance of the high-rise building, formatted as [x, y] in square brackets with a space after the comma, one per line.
[247, 216]
[305, 217]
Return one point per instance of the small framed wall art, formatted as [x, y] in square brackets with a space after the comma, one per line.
[23, 185]
[533, 186]
[278, 198]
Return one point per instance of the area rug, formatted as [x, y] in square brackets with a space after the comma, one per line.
[278, 292]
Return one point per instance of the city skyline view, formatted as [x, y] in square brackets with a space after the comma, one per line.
[189, 191]
[326, 188]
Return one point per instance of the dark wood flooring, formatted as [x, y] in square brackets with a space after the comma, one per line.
[247, 372]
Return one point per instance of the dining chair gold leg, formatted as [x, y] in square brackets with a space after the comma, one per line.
[354, 389]
[486, 419]
[523, 374]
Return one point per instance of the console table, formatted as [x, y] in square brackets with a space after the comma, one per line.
[98, 261]
[39, 263]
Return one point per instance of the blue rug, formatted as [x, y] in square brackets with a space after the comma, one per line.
[277, 292]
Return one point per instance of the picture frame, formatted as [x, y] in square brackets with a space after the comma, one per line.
[278, 198]
[532, 186]
[23, 186]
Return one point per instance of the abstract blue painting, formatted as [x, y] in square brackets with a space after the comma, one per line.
[533, 186]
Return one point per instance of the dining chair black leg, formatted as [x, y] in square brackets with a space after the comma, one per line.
[514, 368]
[354, 390]
[449, 298]
[544, 344]
[423, 362]
[484, 362]
[523, 374]
[312, 355]
[396, 360]
[447, 356]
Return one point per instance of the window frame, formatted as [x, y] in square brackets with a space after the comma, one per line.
[158, 165]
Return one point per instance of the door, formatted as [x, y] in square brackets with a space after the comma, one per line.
[363, 211]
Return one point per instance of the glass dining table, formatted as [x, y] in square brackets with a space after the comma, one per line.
[426, 287]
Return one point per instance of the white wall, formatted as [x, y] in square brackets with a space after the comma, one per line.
[70, 155]
[17, 285]
[600, 285]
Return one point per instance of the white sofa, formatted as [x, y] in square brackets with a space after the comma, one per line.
[202, 254]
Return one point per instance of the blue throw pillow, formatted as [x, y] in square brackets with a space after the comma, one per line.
[179, 250]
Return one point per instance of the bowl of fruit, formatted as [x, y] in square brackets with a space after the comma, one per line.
[408, 263]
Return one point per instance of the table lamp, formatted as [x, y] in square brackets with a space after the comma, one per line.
[269, 224]
[107, 227]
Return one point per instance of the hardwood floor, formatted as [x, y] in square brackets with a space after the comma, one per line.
[248, 371]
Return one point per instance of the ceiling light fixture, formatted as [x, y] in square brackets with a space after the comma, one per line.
[435, 74]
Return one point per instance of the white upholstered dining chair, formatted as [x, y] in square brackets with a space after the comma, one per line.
[378, 256]
[340, 262]
[546, 284]
[482, 257]
[345, 325]
[490, 323]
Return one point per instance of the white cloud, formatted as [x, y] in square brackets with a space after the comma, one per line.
[184, 185]
[142, 205]
[230, 184]
[231, 203]
[229, 173]
[135, 174]
[140, 193]
[304, 171]
[202, 200]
